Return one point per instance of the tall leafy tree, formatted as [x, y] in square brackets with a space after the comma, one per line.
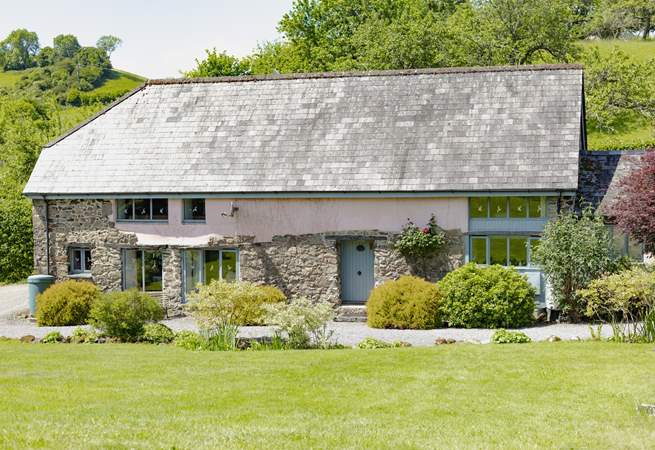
[66, 45]
[17, 51]
[634, 209]
[618, 89]
[109, 43]
[497, 32]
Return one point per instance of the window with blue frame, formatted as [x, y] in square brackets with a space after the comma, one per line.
[507, 207]
[505, 250]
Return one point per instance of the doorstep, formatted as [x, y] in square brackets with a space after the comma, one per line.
[351, 313]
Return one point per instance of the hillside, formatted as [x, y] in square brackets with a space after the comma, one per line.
[637, 133]
[115, 84]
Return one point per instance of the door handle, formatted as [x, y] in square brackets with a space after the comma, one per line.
[359, 272]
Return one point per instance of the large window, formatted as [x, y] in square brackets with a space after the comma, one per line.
[203, 266]
[507, 207]
[504, 250]
[143, 209]
[194, 210]
[79, 260]
[142, 269]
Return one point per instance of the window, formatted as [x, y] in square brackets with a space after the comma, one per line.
[623, 245]
[503, 250]
[194, 210]
[143, 270]
[506, 207]
[203, 266]
[144, 209]
[80, 260]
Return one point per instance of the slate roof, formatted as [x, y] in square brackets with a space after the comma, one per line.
[436, 130]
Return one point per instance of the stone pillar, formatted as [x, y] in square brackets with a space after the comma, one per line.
[172, 293]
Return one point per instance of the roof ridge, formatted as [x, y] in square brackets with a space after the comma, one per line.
[360, 74]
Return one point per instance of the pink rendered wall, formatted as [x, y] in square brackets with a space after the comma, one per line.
[265, 218]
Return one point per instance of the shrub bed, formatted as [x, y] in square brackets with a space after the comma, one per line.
[66, 303]
[486, 297]
[406, 303]
[123, 315]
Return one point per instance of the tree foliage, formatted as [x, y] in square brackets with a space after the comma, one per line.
[65, 45]
[336, 35]
[615, 18]
[617, 89]
[575, 249]
[634, 209]
[217, 65]
[109, 43]
[18, 50]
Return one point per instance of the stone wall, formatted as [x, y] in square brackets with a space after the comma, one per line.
[305, 265]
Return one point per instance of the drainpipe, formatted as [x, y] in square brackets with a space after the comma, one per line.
[47, 237]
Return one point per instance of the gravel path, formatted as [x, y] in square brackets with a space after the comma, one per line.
[346, 333]
[13, 299]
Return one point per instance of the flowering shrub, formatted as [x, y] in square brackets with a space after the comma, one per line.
[239, 303]
[420, 242]
[303, 321]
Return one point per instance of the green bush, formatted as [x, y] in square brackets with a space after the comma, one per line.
[574, 250]
[503, 336]
[303, 321]
[486, 297]
[15, 238]
[189, 340]
[83, 336]
[123, 314]
[406, 303]
[238, 303]
[52, 338]
[66, 303]
[626, 300]
[157, 333]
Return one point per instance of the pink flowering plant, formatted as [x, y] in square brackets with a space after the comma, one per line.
[421, 242]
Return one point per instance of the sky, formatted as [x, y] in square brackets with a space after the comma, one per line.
[160, 38]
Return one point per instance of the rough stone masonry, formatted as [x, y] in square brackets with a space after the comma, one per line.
[304, 265]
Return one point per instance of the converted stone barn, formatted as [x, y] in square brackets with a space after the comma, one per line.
[304, 181]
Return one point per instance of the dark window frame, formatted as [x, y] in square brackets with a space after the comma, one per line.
[186, 219]
[151, 212]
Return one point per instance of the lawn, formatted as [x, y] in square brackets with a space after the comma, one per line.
[560, 395]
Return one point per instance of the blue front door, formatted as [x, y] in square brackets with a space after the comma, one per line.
[356, 271]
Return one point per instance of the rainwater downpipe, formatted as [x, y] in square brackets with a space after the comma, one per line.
[47, 237]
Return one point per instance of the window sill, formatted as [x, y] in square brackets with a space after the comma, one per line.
[142, 221]
[80, 276]
[194, 222]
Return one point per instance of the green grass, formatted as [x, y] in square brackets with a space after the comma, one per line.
[564, 395]
[638, 49]
[8, 79]
[635, 134]
[119, 80]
